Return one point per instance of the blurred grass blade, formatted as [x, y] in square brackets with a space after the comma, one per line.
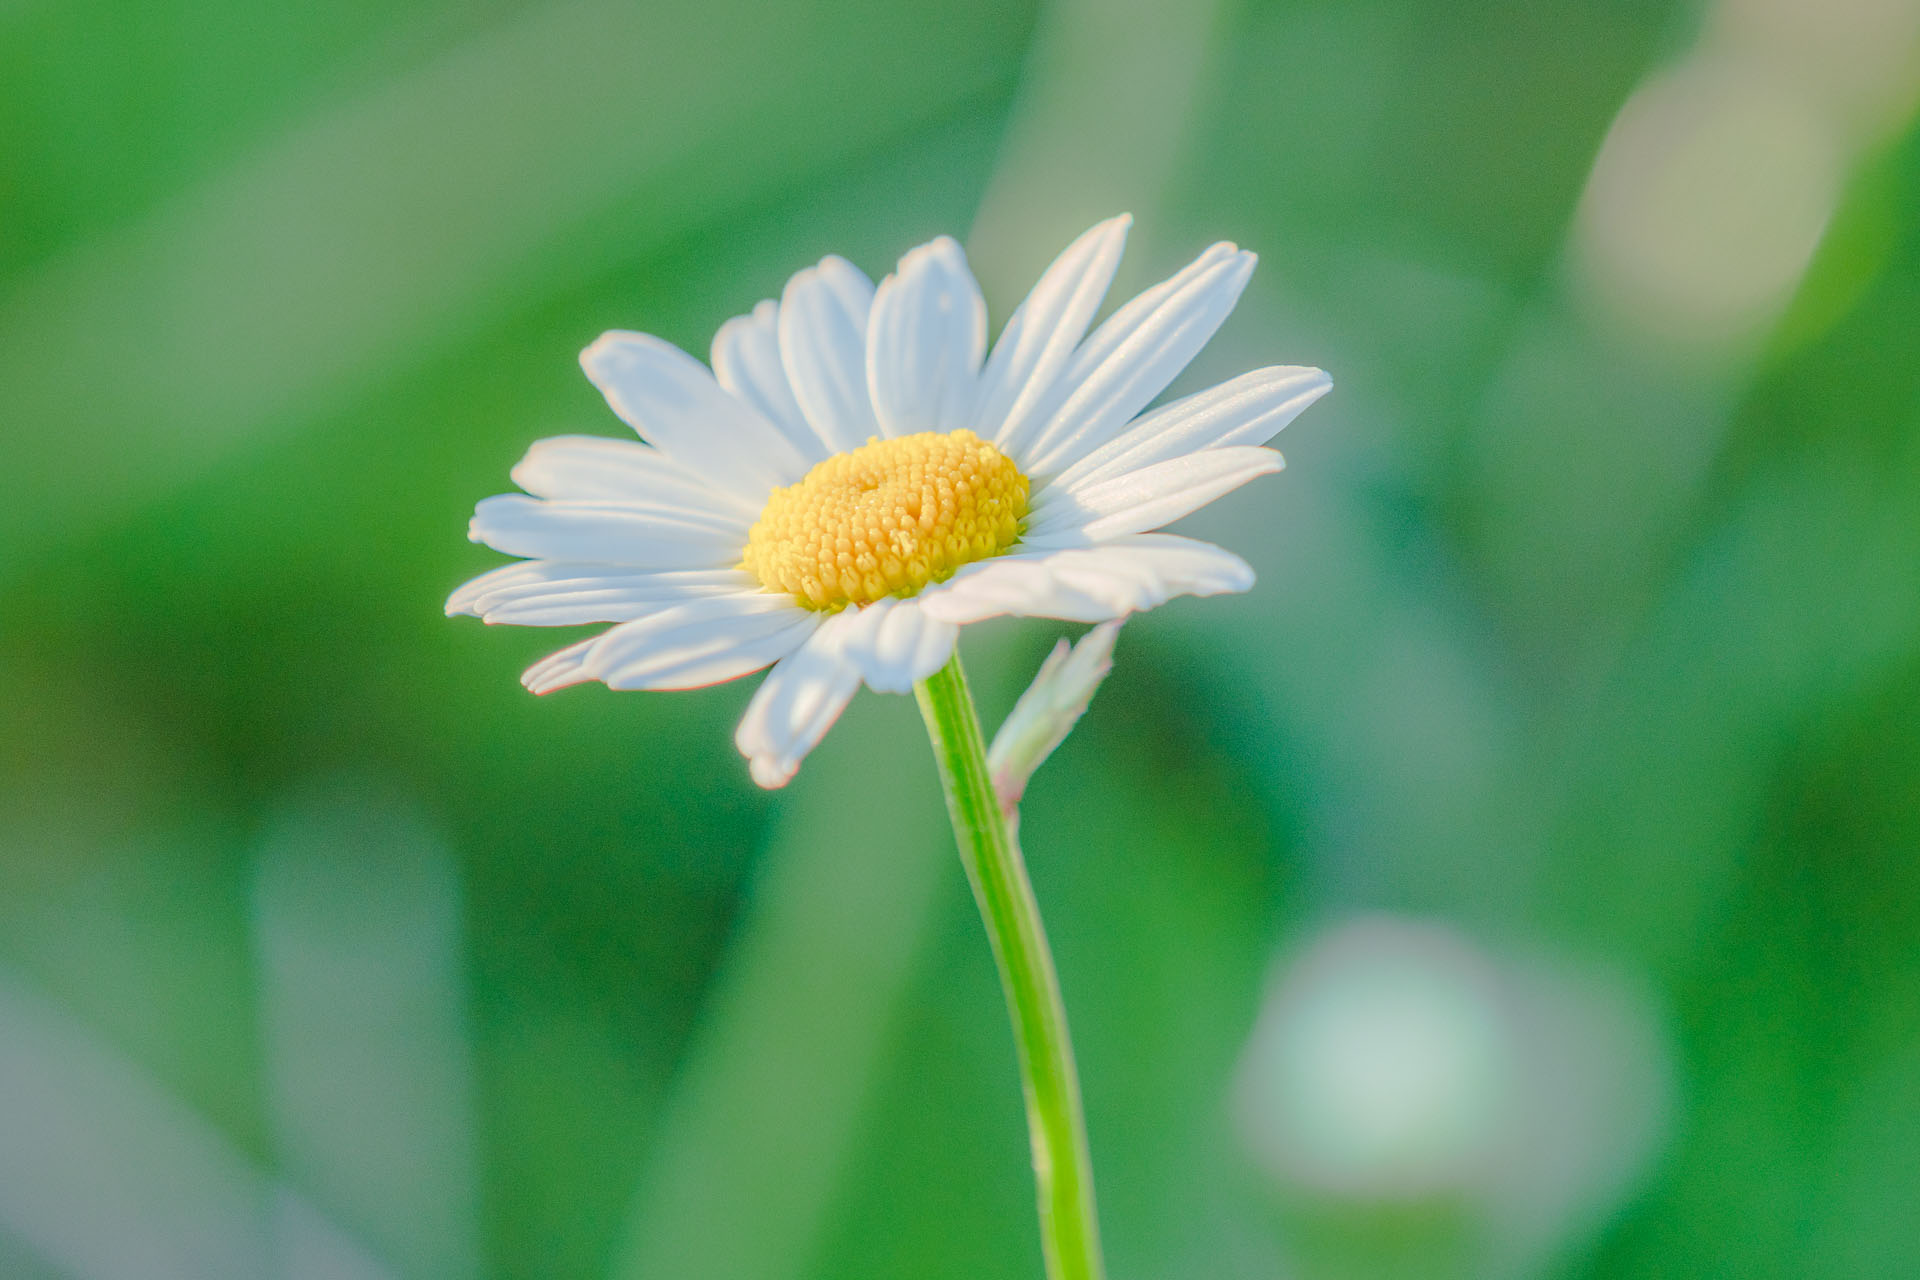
[1100, 127]
[110, 1177]
[356, 910]
[752, 1143]
[374, 234]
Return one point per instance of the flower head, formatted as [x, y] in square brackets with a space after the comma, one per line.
[857, 478]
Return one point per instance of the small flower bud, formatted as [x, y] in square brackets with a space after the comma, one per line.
[1048, 710]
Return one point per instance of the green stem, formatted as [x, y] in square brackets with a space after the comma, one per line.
[1069, 1234]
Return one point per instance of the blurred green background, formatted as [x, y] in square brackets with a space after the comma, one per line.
[1521, 881]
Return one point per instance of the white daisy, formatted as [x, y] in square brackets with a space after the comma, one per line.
[857, 478]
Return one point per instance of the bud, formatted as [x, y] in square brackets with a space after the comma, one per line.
[1048, 710]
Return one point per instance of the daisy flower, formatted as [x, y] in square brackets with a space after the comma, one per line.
[857, 478]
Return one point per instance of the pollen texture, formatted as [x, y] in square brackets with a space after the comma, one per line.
[886, 519]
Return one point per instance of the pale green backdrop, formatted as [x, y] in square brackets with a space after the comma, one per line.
[1554, 793]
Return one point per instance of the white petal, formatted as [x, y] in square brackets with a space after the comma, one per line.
[700, 642]
[797, 703]
[597, 469]
[924, 342]
[1090, 584]
[746, 361]
[1121, 582]
[605, 533]
[1021, 585]
[894, 643]
[467, 596]
[552, 593]
[673, 402]
[823, 344]
[1040, 338]
[1136, 501]
[559, 670]
[1251, 409]
[1133, 356]
[1144, 571]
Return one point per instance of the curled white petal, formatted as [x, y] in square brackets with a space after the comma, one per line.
[1089, 584]
[674, 403]
[925, 338]
[1023, 586]
[746, 361]
[557, 593]
[559, 669]
[1016, 385]
[699, 642]
[598, 469]
[628, 534]
[797, 703]
[1249, 410]
[1136, 501]
[1133, 356]
[823, 346]
[893, 643]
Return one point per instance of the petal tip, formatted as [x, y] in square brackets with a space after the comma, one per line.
[770, 772]
[833, 265]
[1108, 238]
[939, 252]
[599, 351]
[617, 348]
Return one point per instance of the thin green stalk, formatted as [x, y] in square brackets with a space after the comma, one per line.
[1069, 1234]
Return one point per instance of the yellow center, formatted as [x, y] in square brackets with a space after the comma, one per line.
[886, 519]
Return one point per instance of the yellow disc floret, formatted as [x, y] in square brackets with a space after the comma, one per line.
[886, 519]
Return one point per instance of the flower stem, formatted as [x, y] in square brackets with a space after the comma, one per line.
[1069, 1234]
